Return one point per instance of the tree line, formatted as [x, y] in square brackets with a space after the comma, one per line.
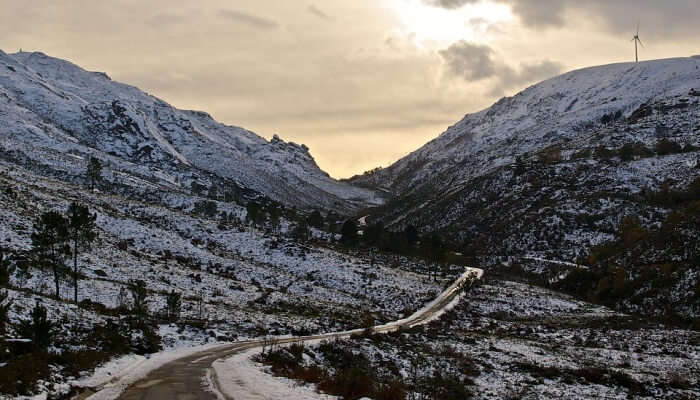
[431, 247]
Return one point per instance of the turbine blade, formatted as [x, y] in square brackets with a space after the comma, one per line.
[640, 42]
[637, 28]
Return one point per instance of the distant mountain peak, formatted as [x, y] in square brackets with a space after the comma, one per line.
[54, 104]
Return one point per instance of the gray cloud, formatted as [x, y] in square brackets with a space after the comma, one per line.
[540, 70]
[661, 20]
[540, 13]
[473, 63]
[318, 12]
[248, 19]
[528, 73]
[470, 61]
[450, 4]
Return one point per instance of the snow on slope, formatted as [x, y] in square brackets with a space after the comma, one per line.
[54, 104]
[546, 113]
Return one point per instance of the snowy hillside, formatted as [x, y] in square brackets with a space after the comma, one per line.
[553, 173]
[236, 280]
[554, 111]
[49, 105]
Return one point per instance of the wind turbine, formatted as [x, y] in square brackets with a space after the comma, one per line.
[636, 40]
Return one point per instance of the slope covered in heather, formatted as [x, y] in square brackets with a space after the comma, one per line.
[48, 105]
[553, 172]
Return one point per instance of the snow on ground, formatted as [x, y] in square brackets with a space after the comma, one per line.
[241, 378]
[511, 340]
[237, 282]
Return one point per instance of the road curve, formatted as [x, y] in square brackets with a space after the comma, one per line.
[185, 378]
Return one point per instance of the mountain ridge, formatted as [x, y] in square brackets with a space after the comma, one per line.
[55, 104]
[482, 123]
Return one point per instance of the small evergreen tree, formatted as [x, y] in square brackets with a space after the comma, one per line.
[122, 300]
[4, 312]
[665, 147]
[520, 167]
[230, 196]
[49, 239]
[631, 231]
[94, 171]
[5, 270]
[174, 304]
[139, 297]
[82, 232]
[315, 219]
[206, 208]
[39, 329]
[213, 192]
[374, 234]
[275, 215]
[301, 231]
[255, 215]
[196, 188]
[349, 232]
[437, 250]
[412, 237]
[626, 152]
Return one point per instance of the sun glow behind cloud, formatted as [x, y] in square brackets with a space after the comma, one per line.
[438, 27]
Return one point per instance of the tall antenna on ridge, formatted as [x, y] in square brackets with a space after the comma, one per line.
[636, 40]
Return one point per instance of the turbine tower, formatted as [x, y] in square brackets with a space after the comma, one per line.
[636, 40]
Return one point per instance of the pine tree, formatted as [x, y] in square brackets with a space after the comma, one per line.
[5, 270]
[4, 312]
[412, 237]
[275, 215]
[196, 188]
[122, 300]
[254, 214]
[349, 232]
[213, 192]
[301, 231]
[94, 171]
[49, 240]
[39, 329]
[437, 250]
[174, 303]
[315, 219]
[139, 297]
[374, 234]
[519, 166]
[206, 208]
[82, 232]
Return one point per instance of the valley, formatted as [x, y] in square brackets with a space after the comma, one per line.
[219, 257]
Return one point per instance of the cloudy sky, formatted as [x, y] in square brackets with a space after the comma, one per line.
[362, 83]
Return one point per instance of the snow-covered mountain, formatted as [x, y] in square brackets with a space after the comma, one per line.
[556, 111]
[50, 106]
[553, 172]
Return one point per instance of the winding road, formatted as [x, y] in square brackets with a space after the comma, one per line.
[186, 378]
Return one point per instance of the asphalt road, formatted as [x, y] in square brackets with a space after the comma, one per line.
[188, 378]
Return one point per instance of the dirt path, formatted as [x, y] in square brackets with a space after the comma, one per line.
[188, 378]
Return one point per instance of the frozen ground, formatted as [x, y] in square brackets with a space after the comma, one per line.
[510, 340]
[236, 281]
[235, 375]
